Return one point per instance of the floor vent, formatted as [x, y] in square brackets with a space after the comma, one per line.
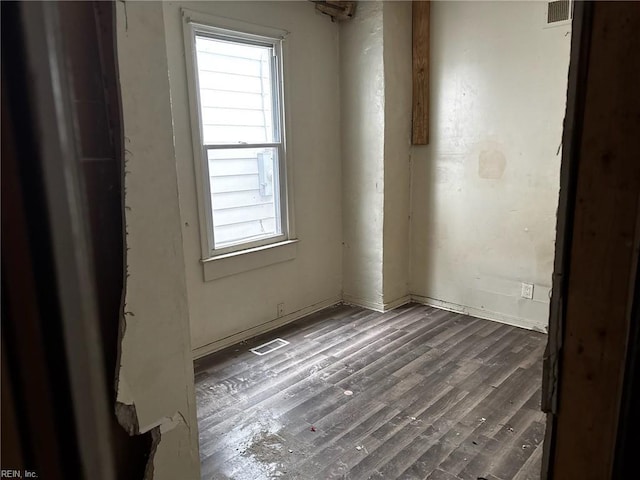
[559, 11]
[269, 346]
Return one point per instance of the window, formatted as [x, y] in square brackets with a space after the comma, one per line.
[236, 89]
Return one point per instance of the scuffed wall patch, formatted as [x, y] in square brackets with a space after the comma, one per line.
[491, 164]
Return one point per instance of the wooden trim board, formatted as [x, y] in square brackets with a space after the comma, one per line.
[603, 239]
[420, 62]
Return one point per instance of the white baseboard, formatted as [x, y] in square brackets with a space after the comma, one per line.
[397, 303]
[480, 313]
[212, 347]
[376, 306]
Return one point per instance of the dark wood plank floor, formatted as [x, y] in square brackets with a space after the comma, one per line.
[434, 395]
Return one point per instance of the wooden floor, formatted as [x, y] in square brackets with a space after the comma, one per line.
[413, 393]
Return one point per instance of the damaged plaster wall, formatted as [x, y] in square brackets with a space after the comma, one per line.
[229, 309]
[485, 191]
[155, 378]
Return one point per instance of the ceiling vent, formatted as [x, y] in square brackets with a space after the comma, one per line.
[559, 12]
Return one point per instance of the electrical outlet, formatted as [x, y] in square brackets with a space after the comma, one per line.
[280, 310]
[527, 291]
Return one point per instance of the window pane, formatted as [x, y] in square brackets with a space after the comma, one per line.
[236, 97]
[244, 194]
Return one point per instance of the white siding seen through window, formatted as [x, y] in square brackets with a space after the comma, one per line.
[239, 122]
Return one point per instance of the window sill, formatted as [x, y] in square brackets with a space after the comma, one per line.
[251, 259]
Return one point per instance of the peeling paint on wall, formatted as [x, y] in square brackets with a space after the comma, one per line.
[155, 441]
[127, 417]
[155, 391]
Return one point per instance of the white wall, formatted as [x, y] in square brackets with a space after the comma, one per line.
[485, 191]
[397, 150]
[229, 309]
[375, 72]
[363, 105]
[155, 377]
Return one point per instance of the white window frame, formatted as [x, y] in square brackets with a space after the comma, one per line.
[196, 23]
